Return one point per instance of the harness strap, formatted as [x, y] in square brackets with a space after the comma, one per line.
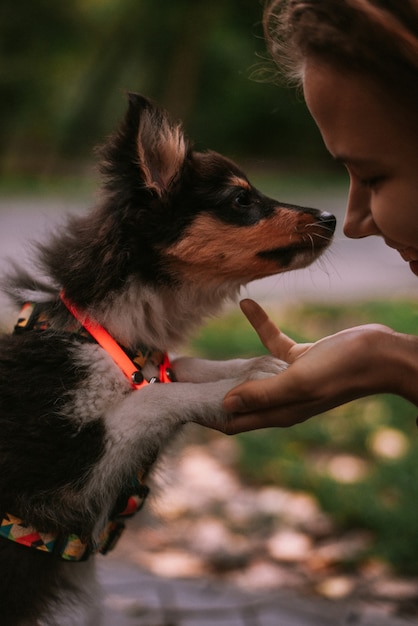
[120, 357]
[73, 547]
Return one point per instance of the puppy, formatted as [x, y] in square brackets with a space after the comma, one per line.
[175, 234]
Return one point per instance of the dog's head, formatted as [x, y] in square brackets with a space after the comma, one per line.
[171, 215]
[196, 214]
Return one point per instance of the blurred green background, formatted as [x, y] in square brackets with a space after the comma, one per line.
[65, 68]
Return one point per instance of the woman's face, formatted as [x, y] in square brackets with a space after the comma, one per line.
[376, 138]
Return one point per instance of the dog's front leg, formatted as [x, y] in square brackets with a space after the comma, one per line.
[149, 417]
[203, 370]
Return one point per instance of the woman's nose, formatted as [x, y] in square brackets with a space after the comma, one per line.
[359, 220]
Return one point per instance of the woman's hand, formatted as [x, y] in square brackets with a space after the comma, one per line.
[337, 369]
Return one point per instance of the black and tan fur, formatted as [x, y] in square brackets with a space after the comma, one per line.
[175, 234]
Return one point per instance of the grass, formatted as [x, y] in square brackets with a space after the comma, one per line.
[361, 460]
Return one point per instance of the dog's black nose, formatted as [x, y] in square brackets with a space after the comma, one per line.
[327, 220]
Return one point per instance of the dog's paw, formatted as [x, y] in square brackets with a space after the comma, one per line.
[262, 367]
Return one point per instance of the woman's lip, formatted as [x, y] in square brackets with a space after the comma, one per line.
[395, 246]
[410, 255]
[407, 254]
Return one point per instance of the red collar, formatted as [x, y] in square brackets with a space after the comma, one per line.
[120, 357]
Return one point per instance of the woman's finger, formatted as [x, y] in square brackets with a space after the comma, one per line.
[276, 342]
[244, 422]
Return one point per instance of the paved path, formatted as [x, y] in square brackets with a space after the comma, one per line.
[137, 598]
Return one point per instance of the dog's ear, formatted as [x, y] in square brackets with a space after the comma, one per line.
[161, 144]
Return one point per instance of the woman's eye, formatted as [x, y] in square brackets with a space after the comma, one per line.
[243, 199]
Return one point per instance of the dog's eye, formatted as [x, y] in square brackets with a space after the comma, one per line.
[243, 199]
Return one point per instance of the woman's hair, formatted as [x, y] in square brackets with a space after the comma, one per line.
[379, 37]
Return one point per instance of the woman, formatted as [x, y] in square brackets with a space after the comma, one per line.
[357, 61]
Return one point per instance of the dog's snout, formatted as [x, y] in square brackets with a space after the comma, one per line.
[327, 220]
